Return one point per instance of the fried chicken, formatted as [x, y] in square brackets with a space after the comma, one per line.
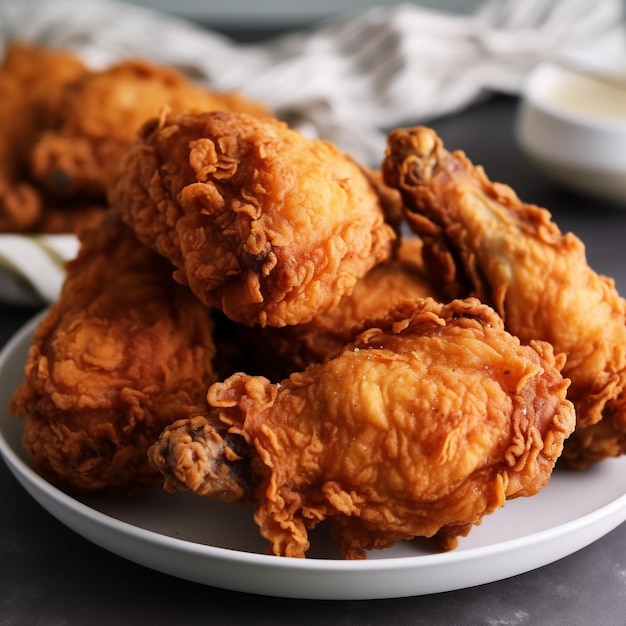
[64, 128]
[124, 351]
[96, 117]
[481, 239]
[294, 348]
[425, 424]
[262, 223]
[28, 75]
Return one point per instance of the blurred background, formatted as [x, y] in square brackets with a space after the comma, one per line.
[252, 20]
[281, 13]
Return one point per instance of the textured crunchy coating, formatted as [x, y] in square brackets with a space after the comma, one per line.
[421, 427]
[95, 118]
[403, 277]
[264, 224]
[124, 351]
[481, 239]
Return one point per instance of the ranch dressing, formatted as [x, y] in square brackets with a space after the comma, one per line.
[579, 93]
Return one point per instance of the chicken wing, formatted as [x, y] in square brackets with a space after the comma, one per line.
[421, 427]
[481, 239]
[268, 226]
[124, 351]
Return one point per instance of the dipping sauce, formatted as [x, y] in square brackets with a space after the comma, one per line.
[579, 93]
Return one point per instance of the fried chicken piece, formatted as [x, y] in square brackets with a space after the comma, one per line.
[481, 239]
[422, 427]
[28, 76]
[124, 351]
[294, 348]
[96, 117]
[262, 223]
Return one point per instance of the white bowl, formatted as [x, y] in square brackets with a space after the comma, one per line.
[573, 128]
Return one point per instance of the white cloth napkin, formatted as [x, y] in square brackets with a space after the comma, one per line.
[349, 79]
[32, 267]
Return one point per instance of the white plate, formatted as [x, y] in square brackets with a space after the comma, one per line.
[218, 544]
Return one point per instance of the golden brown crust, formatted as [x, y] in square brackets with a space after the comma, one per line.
[94, 119]
[419, 428]
[123, 352]
[65, 128]
[481, 239]
[262, 223]
[293, 348]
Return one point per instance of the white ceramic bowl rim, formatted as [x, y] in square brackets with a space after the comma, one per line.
[546, 73]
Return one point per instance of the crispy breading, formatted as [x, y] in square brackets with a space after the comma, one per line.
[481, 239]
[425, 424]
[95, 118]
[268, 226]
[293, 348]
[124, 351]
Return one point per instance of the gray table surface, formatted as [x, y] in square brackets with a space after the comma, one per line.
[49, 575]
